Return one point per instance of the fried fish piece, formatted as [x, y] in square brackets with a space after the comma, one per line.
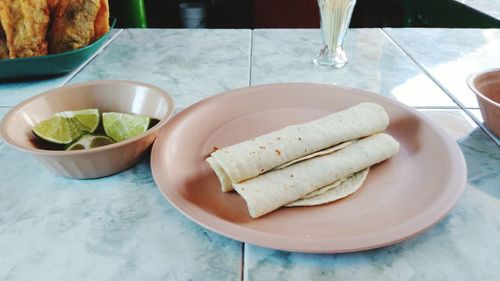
[73, 25]
[101, 23]
[4, 51]
[52, 5]
[25, 23]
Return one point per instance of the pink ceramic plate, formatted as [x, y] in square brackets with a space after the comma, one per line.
[400, 198]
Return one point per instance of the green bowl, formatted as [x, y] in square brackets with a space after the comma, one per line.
[50, 64]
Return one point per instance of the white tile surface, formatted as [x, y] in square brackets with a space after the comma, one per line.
[189, 64]
[12, 92]
[375, 64]
[451, 55]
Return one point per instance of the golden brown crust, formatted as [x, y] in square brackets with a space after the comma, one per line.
[52, 5]
[73, 25]
[4, 51]
[101, 23]
[25, 24]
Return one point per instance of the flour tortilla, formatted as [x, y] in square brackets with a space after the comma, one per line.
[254, 157]
[277, 188]
[224, 179]
[226, 183]
[323, 190]
[333, 192]
[316, 154]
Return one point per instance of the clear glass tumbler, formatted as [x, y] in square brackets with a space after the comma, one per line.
[335, 19]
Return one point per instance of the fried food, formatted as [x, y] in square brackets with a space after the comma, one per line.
[52, 5]
[25, 24]
[37, 27]
[101, 24]
[73, 25]
[4, 51]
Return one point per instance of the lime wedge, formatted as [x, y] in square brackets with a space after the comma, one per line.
[88, 119]
[122, 126]
[90, 141]
[67, 126]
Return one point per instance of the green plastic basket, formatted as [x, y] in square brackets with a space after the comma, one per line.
[50, 64]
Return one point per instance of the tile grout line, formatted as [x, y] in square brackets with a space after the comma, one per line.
[242, 271]
[455, 100]
[76, 71]
[250, 62]
[443, 88]
[81, 67]
[441, 107]
[250, 59]
[73, 73]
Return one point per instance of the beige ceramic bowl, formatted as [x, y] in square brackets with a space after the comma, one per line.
[118, 96]
[486, 86]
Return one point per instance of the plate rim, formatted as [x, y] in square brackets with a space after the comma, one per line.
[318, 246]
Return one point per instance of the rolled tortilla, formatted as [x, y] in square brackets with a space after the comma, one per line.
[226, 181]
[277, 188]
[316, 154]
[253, 157]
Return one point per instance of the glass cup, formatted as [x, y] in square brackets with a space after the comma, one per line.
[335, 19]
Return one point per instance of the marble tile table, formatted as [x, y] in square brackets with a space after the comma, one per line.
[121, 228]
[375, 64]
[449, 56]
[488, 7]
[13, 92]
[445, 252]
[3, 111]
[189, 64]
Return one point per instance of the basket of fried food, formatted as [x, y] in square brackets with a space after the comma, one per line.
[45, 37]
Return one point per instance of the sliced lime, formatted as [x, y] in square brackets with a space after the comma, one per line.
[122, 126]
[67, 126]
[88, 119]
[90, 141]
